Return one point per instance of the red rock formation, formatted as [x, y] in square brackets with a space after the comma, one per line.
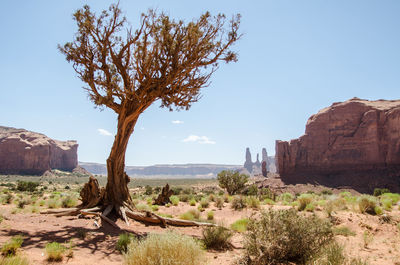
[25, 152]
[355, 143]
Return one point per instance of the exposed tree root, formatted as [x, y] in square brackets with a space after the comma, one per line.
[93, 204]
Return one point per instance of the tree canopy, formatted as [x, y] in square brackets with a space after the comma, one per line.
[163, 59]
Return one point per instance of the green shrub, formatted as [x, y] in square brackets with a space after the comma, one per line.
[174, 200]
[331, 254]
[190, 215]
[392, 197]
[380, 191]
[217, 237]
[286, 197]
[232, 181]
[211, 198]
[204, 203]
[266, 193]
[238, 203]
[53, 203]
[192, 202]
[165, 249]
[326, 192]
[6, 198]
[367, 204]
[55, 251]
[343, 231]
[154, 208]
[378, 210]
[123, 241]
[253, 202]
[210, 215]
[148, 190]
[14, 260]
[304, 200]
[240, 225]
[10, 247]
[27, 185]
[219, 203]
[176, 190]
[269, 201]
[284, 236]
[252, 190]
[69, 202]
[184, 197]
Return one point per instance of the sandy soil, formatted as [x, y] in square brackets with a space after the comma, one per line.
[99, 245]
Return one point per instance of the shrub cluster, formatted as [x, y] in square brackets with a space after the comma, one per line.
[285, 236]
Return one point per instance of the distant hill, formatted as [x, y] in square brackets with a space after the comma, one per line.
[171, 171]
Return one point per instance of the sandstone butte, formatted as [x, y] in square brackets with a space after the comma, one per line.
[353, 144]
[26, 152]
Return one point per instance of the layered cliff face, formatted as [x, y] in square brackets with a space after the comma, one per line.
[25, 152]
[355, 143]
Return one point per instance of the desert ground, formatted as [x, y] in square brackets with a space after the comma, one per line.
[367, 238]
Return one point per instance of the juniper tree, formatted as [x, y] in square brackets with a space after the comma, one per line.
[127, 70]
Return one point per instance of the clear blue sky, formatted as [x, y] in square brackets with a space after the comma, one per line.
[295, 58]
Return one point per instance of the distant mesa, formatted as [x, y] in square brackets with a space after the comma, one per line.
[353, 144]
[255, 168]
[29, 153]
[165, 171]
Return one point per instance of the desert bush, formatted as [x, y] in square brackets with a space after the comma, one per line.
[238, 203]
[286, 197]
[53, 203]
[211, 197]
[227, 198]
[252, 190]
[217, 237]
[14, 260]
[55, 251]
[184, 197]
[269, 201]
[285, 236]
[10, 247]
[367, 204]
[219, 203]
[331, 254]
[174, 200]
[27, 185]
[240, 225]
[368, 237]
[165, 249]
[6, 198]
[390, 197]
[266, 193]
[154, 208]
[343, 231]
[210, 215]
[148, 190]
[144, 207]
[304, 200]
[176, 190]
[232, 181]
[253, 202]
[69, 201]
[204, 203]
[190, 215]
[326, 192]
[380, 191]
[123, 241]
[192, 202]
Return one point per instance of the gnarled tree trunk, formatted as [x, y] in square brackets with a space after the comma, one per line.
[117, 192]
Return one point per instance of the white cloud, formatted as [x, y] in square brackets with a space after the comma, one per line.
[177, 122]
[142, 128]
[198, 139]
[104, 132]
